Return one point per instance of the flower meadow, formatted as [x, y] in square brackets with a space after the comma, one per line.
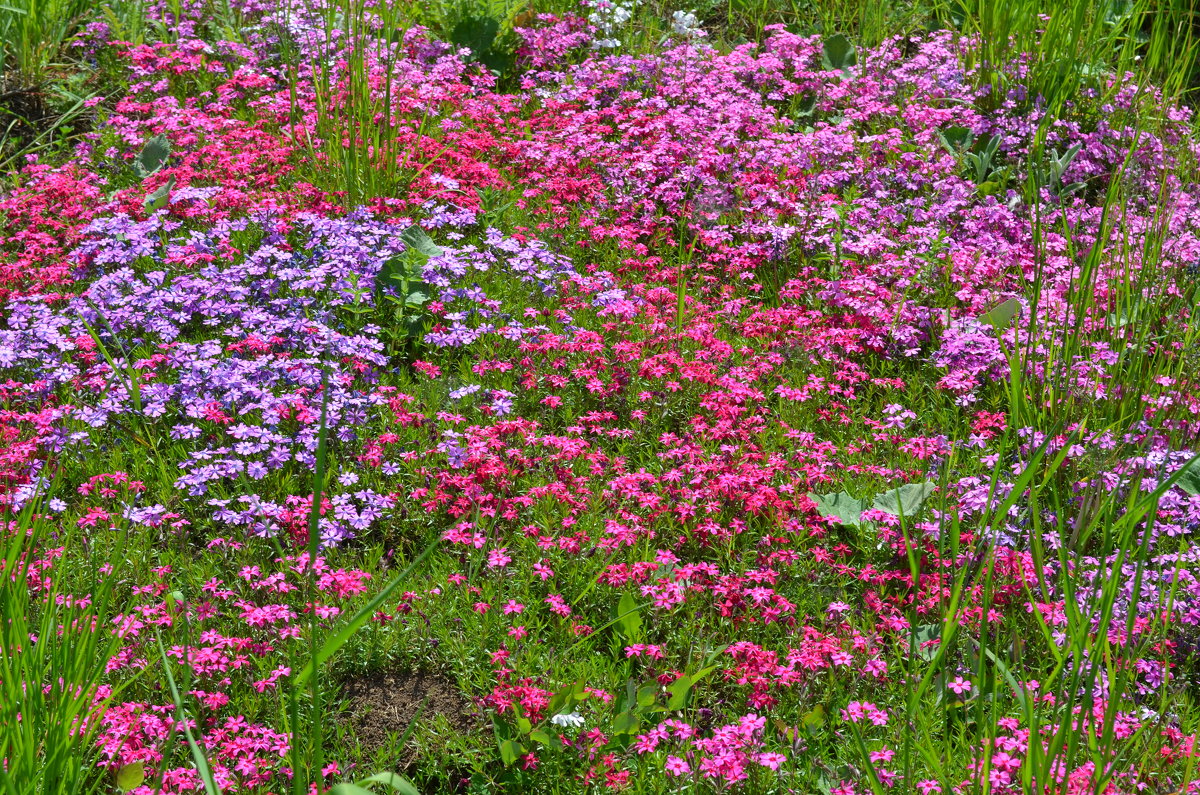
[793, 415]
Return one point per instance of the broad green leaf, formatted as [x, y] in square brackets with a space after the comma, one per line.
[807, 106]
[159, 198]
[905, 500]
[814, 719]
[511, 751]
[539, 736]
[841, 506]
[131, 776]
[626, 723]
[153, 156]
[646, 694]
[679, 690]
[349, 789]
[1002, 315]
[629, 619]
[682, 687]
[415, 238]
[923, 634]
[479, 33]
[397, 782]
[564, 697]
[956, 139]
[838, 53]
[1189, 481]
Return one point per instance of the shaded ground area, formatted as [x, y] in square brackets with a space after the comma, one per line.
[381, 707]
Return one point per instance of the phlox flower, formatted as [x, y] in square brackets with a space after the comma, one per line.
[677, 767]
[569, 720]
[771, 760]
[959, 685]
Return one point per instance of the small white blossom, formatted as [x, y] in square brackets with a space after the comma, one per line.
[569, 719]
[608, 16]
[686, 24]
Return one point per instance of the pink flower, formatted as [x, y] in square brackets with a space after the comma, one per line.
[513, 606]
[677, 767]
[773, 761]
[960, 685]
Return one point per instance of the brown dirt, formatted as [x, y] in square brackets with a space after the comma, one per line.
[380, 706]
[23, 111]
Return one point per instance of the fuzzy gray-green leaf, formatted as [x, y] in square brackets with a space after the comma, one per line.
[153, 156]
[905, 500]
[1001, 316]
[1189, 481]
[415, 238]
[841, 506]
[159, 198]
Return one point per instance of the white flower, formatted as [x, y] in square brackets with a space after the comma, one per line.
[608, 17]
[570, 719]
[685, 23]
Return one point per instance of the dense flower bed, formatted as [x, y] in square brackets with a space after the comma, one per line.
[721, 285]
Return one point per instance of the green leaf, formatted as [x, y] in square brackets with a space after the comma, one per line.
[646, 694]
[564, 698]
[480, 34]
[814, 719]
[626, 723]
[523, 724]
[511, 751]
[397, 782]
[159, 198]
[628, 618]
[1002, 316]
[131, 776]
[838, 53]
[153, 157]
[841, 506]
[539, 736]
[415, 238]
[348, 789]
[956, 139]
[1189, 481]
[679, 690]
[923, 634]
[905, 500]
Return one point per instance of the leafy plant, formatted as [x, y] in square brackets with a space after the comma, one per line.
[402, 292]
[905, 500]
[153, 156]
[838, 54]
[481, 35]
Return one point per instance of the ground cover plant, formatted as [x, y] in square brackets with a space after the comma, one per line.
[559, 398]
